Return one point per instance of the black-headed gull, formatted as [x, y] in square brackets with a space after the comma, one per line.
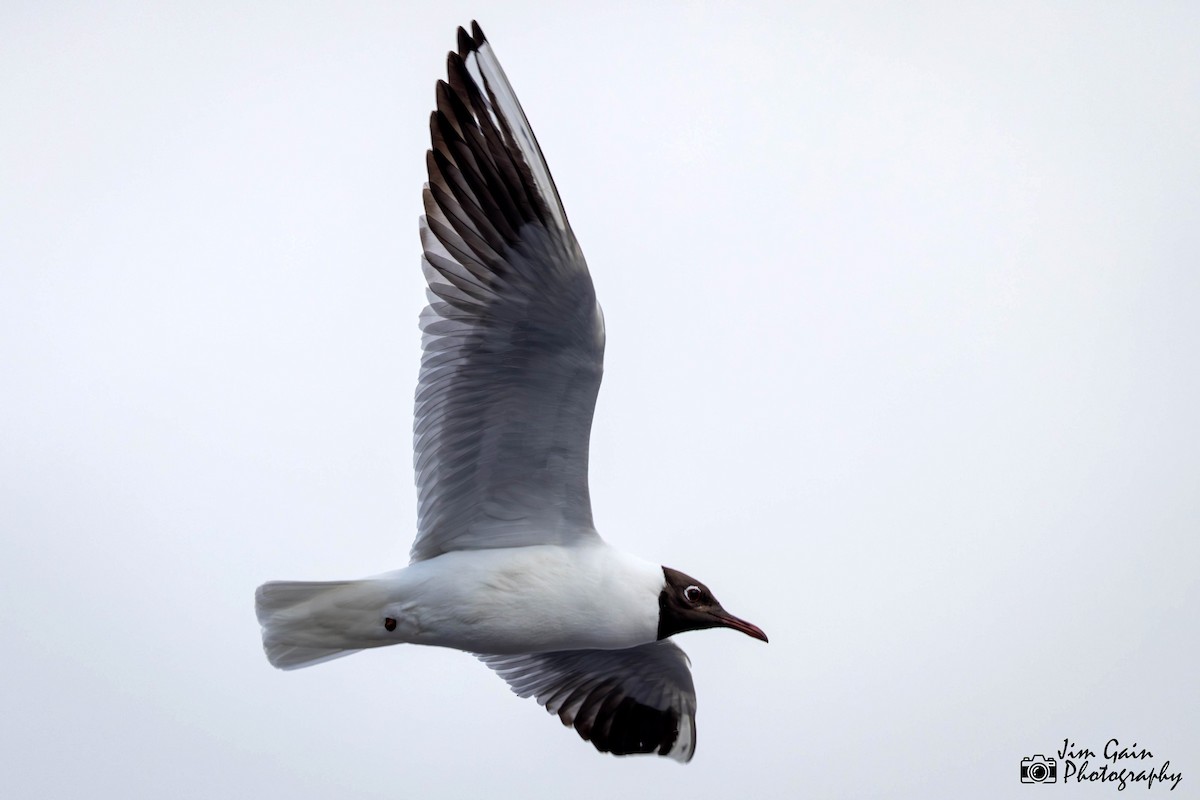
[506, 564]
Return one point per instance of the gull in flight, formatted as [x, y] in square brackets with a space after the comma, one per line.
[506, 564]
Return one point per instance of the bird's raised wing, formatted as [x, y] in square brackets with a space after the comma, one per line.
[638, 700]
[513, 338]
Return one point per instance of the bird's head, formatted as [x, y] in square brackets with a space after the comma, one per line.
[686, 604]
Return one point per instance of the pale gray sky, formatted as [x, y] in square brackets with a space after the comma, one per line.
[902, 361]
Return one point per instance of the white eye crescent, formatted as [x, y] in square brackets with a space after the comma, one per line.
[691, 594]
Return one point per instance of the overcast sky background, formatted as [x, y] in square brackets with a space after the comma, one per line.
[903, 308]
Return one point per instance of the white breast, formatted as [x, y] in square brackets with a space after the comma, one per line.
[527, 599]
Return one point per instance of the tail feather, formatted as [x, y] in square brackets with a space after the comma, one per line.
[306, 623]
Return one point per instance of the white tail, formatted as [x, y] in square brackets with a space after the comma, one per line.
[307, 623]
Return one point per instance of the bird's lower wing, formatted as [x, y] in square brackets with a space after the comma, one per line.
[637, 700]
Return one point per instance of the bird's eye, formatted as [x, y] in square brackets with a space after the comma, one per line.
[692, 594]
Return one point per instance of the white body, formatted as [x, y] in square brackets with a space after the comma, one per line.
[506, 561]
[532, 599]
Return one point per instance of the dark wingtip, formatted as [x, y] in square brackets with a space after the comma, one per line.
[477, 33]
[464, 42]
[442, 90]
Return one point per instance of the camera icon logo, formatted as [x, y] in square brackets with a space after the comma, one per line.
[1039, 769]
